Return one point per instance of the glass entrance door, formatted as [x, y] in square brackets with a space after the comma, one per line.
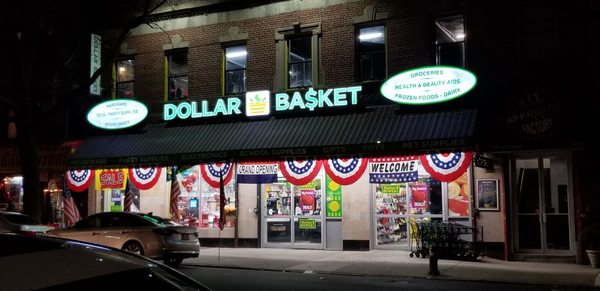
[292, 215]
[542, 203]
[391, 215]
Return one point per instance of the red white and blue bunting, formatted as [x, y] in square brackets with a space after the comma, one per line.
[345, 171]
[446, 167]
[389, 170]
[144, 178]
[300, 172]
[211, 173]
[79, 180]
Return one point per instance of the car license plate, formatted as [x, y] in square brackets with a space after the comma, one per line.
[185, 236]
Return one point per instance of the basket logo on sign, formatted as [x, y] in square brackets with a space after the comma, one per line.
[258, 103]
[428, 85]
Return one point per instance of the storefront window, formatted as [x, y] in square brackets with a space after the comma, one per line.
[400, 205]
[459, 193]
[211, 202]
[11, 190]
[391, 209]
[307, 199]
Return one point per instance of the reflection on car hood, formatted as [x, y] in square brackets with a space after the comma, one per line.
[36, 228]
[57, 262]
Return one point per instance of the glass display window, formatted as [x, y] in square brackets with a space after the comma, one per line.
[210, 205]
[390, 213]
[459, 196]
[398, 207]
[12, 194]
[307, 199]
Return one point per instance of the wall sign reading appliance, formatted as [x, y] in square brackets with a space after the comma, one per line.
[117, 114]
[428, 85]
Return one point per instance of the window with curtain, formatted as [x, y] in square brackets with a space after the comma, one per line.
[450, 41]
[125, 76]
[177, 75]
[235, 69]
[371, 53]
[299, 62]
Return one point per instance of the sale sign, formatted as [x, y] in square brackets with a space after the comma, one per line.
[307, 200]
[111, 179]
[419, 200]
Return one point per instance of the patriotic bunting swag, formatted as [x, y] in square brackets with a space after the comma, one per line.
[212, 172]
[446, 167]
[79, 180]
[144, 178]
[300, 172]
[345, 171]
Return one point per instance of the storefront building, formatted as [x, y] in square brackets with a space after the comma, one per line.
[277, 100]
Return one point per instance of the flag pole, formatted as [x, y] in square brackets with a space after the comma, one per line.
[221, 211]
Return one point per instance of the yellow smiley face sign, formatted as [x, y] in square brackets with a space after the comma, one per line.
[334, 206]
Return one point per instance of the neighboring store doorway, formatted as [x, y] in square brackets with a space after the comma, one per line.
[543, 202]
[292, 216]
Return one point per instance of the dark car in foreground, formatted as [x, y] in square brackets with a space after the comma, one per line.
[50, 263]
[141, 233]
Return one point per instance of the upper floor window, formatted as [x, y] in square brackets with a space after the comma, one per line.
[450, 41]
[124, 76]
[177, 75]
[235, 69]
[371, 53]
[299, 62]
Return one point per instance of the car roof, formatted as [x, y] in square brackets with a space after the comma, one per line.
[55, 261]
[29, 263]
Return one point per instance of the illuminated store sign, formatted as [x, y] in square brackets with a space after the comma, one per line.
[313, 99]
[260, 103]
[117, 114]
[428, 85]
[185, 110]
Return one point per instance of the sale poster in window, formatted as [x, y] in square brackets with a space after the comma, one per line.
[419, 198]
[307, 200]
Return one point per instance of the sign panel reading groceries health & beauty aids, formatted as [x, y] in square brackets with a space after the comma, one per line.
[428, 85]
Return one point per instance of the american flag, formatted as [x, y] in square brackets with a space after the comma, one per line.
[175, 191]
[71, 214]
[221, 201]
[128, 199]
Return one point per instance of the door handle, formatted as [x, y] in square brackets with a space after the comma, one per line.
[95, 233]
[125, 231]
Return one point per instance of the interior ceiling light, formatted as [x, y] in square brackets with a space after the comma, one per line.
[368, 36]
[236, 54]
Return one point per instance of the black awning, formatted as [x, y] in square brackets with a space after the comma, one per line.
[378, 131]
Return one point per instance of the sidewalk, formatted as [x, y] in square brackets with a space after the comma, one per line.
[396, 263]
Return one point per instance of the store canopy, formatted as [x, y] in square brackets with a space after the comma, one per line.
[376, 131]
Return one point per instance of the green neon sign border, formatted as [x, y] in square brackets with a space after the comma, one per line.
[430, 67]
[116, 100]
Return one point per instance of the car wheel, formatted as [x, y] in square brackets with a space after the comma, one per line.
[133, 247]
[173, 262]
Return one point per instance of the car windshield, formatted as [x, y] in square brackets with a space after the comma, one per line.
[20, 218]
[159, 220]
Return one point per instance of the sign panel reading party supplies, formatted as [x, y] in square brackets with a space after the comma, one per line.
[117, 114]
[428, 85]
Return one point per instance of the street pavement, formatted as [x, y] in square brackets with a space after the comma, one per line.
[396, 263]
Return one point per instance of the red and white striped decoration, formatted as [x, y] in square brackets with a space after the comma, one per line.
[144, 178]
[300, 172]
[345, 171]
[79, 180]
[446, 167]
